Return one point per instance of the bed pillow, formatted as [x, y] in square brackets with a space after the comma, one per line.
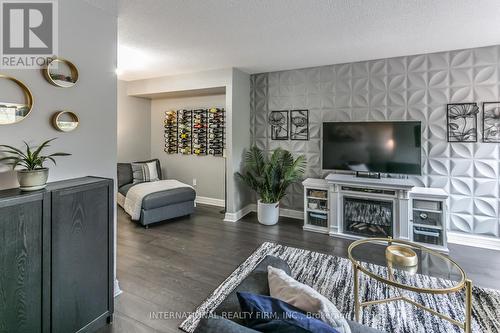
[268, 314]
[285, 288]
[145, 172]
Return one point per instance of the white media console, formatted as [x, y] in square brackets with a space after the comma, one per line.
[348, 206]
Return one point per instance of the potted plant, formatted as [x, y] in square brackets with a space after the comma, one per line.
[270, 177]
[33, 175]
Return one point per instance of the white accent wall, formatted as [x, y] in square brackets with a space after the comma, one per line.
[403, 88]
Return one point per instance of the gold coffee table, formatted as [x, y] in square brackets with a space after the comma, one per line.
[369, 257]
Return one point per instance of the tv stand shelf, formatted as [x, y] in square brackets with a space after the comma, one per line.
[350, 207]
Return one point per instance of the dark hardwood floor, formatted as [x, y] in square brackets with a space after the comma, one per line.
[174, 266]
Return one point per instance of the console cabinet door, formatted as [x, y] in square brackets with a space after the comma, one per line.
[21, 230]
[80, 244]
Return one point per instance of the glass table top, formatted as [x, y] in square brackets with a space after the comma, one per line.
[434, 272]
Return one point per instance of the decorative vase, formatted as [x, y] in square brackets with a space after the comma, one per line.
[32, 180]
[268, 214]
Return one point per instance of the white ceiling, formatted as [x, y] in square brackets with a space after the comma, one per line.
[168, 37]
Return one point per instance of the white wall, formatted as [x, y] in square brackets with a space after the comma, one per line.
[208, 170]
[134, 126]
[87, 37]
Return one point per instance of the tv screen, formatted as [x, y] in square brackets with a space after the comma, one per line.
[385, 147]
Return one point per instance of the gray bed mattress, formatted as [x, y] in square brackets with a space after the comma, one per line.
[163, 198]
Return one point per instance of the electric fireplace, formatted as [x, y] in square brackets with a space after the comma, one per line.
[368, 217]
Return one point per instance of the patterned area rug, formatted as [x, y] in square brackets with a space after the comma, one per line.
[332, 277]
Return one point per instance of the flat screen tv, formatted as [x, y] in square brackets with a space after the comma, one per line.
[384, 147]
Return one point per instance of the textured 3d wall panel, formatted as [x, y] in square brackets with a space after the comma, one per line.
[404, 88]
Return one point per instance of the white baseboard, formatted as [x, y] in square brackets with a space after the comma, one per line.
[284, 212]
[474, 240]
[234, 217]
[291, 213]
[117, 289]
[210, 201]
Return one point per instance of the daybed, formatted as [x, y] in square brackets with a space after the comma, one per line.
[159, 201]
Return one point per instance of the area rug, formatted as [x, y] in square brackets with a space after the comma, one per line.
[332, 276]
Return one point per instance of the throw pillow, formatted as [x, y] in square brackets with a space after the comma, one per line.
[217, 324]
[284, 287]
[268, 314]
[144, 172]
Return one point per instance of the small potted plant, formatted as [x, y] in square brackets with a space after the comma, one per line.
[270, 177]
[33, 175]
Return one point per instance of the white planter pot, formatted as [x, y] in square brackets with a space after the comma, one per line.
[268, 214]
[32, 180]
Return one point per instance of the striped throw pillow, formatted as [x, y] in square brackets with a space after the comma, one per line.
[144, 172]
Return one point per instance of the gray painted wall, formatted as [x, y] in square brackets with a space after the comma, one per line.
[208, 170]
[92, 47]
[239, 137]
[235, 83]
[404, 88]
[134, 126]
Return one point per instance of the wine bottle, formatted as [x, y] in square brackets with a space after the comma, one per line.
[199, 151]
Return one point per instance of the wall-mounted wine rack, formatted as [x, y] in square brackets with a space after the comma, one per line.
[198, 132]
[216, 131]
[184, 130]
[170, 124]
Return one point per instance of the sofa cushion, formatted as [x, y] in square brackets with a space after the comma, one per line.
[269, 314]
[124, 174]
[255, 282]
[283, 287]
[216, 324]
[168, 197]
[124, 189]
[145, 172]
[158, 166]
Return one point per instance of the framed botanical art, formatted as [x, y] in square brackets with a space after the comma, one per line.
[462, 122]
[491, 122]
[278, 120]
[299, 125]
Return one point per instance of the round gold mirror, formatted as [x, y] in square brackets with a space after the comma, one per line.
[15, 103]
[61, 73]
[65, 121]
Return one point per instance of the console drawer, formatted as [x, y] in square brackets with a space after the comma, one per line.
[428, 235]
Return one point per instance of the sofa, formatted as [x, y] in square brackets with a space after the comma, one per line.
[256, 282]
[157, 206]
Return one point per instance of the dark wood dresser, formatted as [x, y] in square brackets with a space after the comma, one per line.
[56, 257]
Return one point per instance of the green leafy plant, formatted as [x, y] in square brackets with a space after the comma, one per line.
[31, 159]
[270, 177]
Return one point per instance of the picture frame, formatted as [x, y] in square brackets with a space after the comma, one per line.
[299, 125]
[491, 122]
[278, 121]
[461, 122]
